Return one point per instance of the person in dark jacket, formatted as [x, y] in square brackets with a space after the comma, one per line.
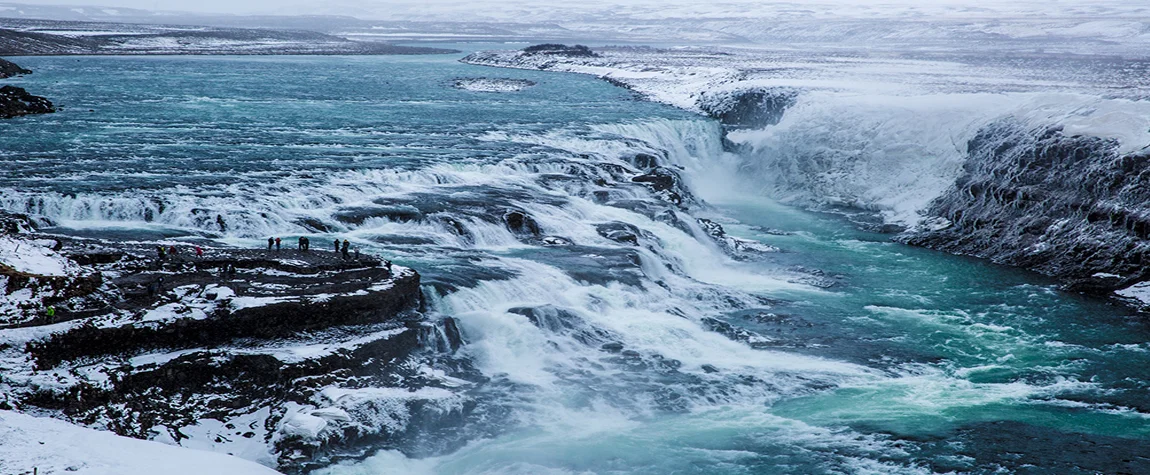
[271, 242]
[220, 221]
[346, 245]
[337, 245]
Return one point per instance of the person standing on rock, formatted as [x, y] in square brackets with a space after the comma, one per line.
[306, 244]
[346, 245]
[271, 242]
[357, 253]
[160, 251]
[199, 251]
[337, 246]
[277, 244]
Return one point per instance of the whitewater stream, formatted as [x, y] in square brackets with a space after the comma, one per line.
[652, 347]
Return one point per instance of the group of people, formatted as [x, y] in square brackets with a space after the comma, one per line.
[173, 251]
[343, 248]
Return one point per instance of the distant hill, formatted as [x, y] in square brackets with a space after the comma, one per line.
[22, 37]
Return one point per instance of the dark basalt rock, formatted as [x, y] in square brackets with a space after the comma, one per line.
[15, 102]
[451, 331]
[666, 183]
[521, 223]
[645, 161]
[9, 69]
[278, 320]
[621, 232]
[560, 50]
[564, 322]
[236, 358]
[755, 108]
[1068, 206]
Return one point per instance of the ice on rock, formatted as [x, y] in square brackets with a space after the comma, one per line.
[303, 425]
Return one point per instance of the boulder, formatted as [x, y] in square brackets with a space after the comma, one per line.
[15, 101]
[9, 69]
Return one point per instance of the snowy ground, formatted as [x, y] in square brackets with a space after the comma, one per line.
[34, 257]
[49, 446]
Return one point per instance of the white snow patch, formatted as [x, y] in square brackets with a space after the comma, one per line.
[51, 446]
[303, 425]
[1139, 291]
[34, 257]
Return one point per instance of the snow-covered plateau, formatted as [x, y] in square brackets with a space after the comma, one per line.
[975, 152]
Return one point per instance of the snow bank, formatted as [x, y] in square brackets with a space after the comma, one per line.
[1139, 291]
[56, 447]
[34, 257]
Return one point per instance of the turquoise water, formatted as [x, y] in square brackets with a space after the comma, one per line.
[911, 362]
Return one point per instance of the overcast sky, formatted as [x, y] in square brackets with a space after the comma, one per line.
[527, 10]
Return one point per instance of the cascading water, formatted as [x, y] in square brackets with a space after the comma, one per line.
[616, 331]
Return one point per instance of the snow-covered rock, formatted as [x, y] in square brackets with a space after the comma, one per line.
[213, 352]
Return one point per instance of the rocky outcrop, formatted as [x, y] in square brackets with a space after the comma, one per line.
[667, 184]
[748, 109]
[295, 359]
[9, 69]
[15, 101]
[1067, 206]
[552, 49]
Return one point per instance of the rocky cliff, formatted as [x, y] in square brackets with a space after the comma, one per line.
[1069, 206]
[290, 358]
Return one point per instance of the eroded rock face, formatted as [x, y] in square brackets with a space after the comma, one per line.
[295, 359]
[15, 102]
[9, 69]
[1066, 206]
